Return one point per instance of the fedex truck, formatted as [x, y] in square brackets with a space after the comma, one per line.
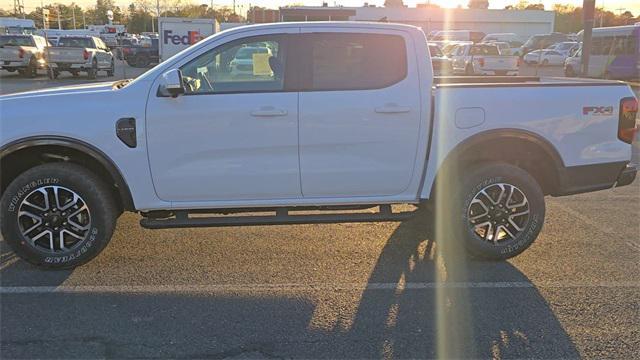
[177, 34]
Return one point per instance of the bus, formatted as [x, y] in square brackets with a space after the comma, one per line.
[615, 53]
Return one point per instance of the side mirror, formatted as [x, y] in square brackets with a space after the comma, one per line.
[171, 84]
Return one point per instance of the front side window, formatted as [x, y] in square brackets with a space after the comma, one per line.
[353, 61]
[248, 65]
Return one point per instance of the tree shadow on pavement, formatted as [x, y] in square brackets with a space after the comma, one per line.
[464, 308]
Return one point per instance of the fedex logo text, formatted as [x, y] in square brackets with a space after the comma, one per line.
[597, 110]
[192, 37]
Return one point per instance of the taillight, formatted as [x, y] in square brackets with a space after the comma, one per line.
[627, 122]
[481, 62]
[21, 53]
[86, 54]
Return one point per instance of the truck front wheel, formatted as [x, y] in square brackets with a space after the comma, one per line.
[499, 211]
[57, 215]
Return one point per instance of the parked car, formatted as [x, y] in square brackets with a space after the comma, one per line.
[573, 64]
[242, 63]
[143, 54]
[539, 42]
[441, 64]
[77, 54]
[356, 132]
[450, 46]
[503, 37]
[565, 47]
[483, 59]
[545, 57]
[23, 53]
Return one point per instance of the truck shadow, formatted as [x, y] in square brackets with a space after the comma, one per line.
[419, 302]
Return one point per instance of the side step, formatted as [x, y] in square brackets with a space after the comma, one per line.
[281, 217]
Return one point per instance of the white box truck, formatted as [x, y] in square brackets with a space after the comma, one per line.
[177, 34]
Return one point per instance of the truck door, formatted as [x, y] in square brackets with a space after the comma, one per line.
[234, 134]
[359, 112]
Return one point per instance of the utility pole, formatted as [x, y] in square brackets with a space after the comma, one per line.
[84, 21]
[589, 9]
[73, 11]
[59, 23]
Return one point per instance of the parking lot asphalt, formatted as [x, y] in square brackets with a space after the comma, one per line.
[380, 290]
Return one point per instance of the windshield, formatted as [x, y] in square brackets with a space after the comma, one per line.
[532, 41]
[16, 41]
[484, 50]
[435, 51]
[247, 53]
[75, 42]
[565, 46]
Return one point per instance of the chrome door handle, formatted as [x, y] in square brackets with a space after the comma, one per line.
[393, 109]
[268, 112]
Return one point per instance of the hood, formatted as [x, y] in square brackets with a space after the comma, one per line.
[64, 90]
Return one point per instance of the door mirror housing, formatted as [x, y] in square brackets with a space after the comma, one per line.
[171, 84]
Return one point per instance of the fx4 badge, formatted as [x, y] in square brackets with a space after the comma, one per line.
[597, 110]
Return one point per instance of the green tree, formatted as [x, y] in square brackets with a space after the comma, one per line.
[478, 4]
[393, 3]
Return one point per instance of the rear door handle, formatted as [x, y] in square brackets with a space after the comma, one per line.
[268, 112]
[392, 109]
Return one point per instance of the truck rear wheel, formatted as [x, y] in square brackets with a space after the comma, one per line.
[92, 73]
[498, 211]
[57, 215]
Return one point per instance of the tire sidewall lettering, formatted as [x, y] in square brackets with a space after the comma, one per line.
[27, 189]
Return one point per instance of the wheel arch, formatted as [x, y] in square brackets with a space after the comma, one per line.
[530, 152]
[43, 149]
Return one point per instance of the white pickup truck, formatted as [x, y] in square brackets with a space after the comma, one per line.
[23, 53]
[344, 119]
[77, 54]
[483, 59]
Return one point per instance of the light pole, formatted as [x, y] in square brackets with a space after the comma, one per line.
[589, 7]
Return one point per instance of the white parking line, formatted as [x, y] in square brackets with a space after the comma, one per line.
[157, 289]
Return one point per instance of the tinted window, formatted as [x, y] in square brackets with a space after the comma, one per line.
[75, 42]
[484, 50]
[16, 41]
[354, 61]
[435, 51]
[248, 65]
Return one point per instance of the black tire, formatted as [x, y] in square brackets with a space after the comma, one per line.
[569, 72]
[101, 214]
[489, 177]
[142, 61]
[75, 73]
[92, 73]
[32, 69]
[112, 69]
[468, 70]
[53, 74]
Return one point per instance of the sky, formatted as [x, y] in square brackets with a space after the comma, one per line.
[612, 5]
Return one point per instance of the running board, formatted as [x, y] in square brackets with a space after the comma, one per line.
[281, 217]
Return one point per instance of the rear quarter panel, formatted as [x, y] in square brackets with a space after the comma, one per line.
[553, 113]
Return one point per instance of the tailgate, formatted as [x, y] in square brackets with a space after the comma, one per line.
[10, 53]
[66, 55]
[500, 63]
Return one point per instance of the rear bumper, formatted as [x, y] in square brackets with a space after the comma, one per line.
[499, 72]
[627, 176]
[14, 64]
[66, 66]
[588, 178]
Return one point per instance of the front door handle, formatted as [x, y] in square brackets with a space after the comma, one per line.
[268, 111]
[392, 109]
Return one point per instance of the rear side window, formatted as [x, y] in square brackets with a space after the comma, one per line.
[352, 61]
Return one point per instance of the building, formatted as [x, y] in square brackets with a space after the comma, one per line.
[522, 22]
